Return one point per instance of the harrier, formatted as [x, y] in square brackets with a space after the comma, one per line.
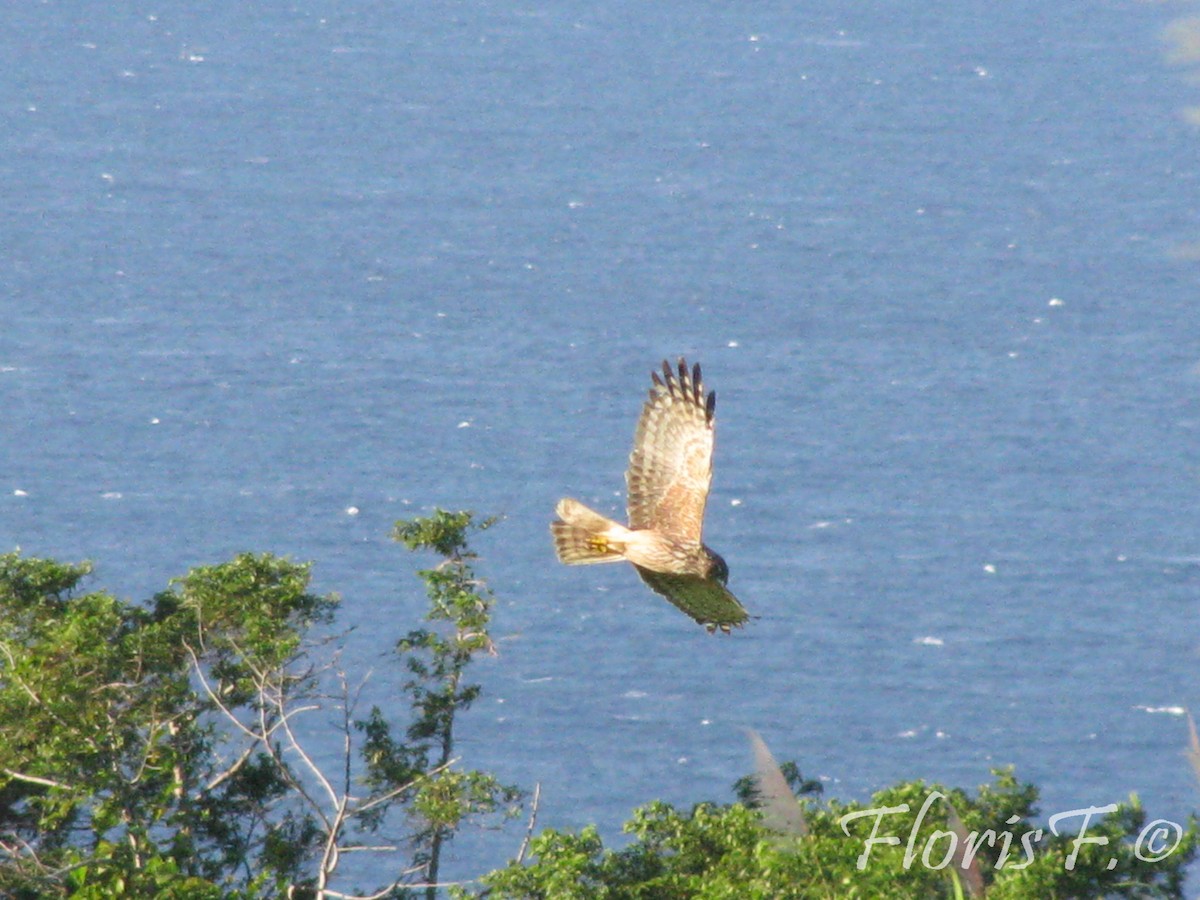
[669, 474]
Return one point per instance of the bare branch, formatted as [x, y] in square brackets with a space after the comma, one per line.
[371, 848]
[331, 855]
[21, 848]
[212, 695]
[347, 730]
[265, 731]
[36, 779]
[12, 663]
[230, 771]
[376, 801]
[285, 770]
[294, 744]
[537, 796]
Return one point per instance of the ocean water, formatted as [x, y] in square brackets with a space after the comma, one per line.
[258, 267]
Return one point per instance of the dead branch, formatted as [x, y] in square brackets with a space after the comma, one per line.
[537, 796]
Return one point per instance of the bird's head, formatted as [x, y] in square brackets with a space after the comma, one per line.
[716, 566]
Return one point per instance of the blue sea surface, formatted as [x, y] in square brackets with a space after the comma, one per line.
[263, 266]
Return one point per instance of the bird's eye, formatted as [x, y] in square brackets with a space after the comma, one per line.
[720, 571]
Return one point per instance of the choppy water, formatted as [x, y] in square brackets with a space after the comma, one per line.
[259, 267]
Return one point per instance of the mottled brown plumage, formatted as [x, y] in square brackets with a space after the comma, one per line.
[669, 474]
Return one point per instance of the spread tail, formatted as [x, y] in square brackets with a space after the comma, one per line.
[583, 537]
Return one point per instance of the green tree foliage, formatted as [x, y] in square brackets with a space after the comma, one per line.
[156, 750]
[722, 851]
[112, 771]
[437, 657]
[159, 750]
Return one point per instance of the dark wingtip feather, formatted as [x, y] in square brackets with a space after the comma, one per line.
[710, 405]
[684, 383]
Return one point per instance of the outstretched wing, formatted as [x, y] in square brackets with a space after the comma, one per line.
[670, 468]
[704, 599]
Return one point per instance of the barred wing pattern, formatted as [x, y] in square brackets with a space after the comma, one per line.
[668, 479]
[670, 468]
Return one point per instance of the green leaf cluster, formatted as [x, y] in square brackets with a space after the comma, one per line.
[437, 657]
[154, 749]
[113, 778]
[722, 852]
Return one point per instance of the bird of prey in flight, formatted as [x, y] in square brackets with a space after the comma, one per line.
[670, 470]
